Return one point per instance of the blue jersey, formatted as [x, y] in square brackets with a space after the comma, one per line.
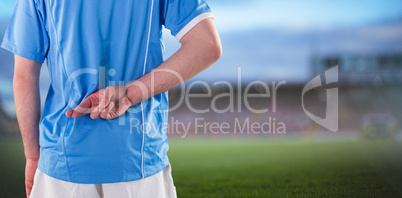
[89, 45]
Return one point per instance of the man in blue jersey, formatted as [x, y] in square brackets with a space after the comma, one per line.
[109, 82]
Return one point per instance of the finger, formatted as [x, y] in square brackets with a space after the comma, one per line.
[105, 101]
[80, 111]
[28, 192]
[108, 112]
[69, 113]
[95, 114]
[120, 108]
[28, 189]
[86, 106]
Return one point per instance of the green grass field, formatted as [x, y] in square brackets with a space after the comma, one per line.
[261, 168]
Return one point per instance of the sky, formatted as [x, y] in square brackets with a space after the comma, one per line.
[239, 19]
[240, 15]
[272, 39]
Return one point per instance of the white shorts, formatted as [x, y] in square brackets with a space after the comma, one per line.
[159, 185]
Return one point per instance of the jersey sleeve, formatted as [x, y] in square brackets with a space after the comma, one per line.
[26, 34]
[182, 15]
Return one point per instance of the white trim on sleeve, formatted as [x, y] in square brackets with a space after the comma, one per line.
[192, 24]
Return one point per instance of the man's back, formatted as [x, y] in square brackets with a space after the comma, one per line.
[90, 45]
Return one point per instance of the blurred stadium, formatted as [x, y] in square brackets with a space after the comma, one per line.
[273, 42]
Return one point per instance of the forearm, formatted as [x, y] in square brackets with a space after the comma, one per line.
[182, 66]
[192, 58]
[201, 47]
[27, 104]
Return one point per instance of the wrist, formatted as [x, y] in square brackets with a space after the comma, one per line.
[134, 94]
[32, 152]
[32, 158]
